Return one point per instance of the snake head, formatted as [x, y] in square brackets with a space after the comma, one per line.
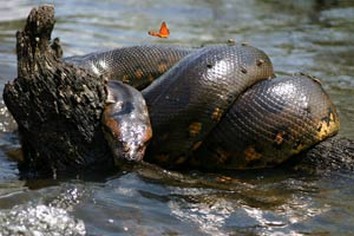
[125, 122]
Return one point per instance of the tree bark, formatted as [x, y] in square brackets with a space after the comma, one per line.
[57, 106]
[333, 154]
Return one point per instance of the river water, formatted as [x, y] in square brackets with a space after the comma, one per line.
[300, 35]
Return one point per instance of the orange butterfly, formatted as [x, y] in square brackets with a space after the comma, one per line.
[164, 32]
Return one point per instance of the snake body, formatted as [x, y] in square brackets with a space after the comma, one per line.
[137, 66]
[215, 107]
[270, 122]
[195, 94]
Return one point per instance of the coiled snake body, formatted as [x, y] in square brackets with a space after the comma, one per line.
[213, 107]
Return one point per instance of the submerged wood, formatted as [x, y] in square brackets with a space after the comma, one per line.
[58, 108]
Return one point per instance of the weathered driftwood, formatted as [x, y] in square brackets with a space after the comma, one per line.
[58, 108]
[335, 153]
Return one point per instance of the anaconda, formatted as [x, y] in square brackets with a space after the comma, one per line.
[218, 106]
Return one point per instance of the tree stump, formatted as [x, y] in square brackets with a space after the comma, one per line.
[57, 106]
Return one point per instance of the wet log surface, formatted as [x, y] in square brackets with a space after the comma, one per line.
[333, 154]
[58, 108]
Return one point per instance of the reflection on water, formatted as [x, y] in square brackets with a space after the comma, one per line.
[303, 35]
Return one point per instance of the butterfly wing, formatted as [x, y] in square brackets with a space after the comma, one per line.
[164, 31]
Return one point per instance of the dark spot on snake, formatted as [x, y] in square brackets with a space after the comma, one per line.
[150, 78]
[194, 129]
[254, 162]
[329, 118]
[163, 157]
[162, 67]
[252, 154]
[125, 79]
[308, 110]
[180, 160]
[319, 127]
[223, 156]
[196, 145]
[139, 74]
[331, 114]
[209, 66]
[229, 98]
[260, 62]
[279, 139]
[297, 143]
[244, 70]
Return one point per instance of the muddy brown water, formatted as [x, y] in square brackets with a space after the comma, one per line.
[301, 35]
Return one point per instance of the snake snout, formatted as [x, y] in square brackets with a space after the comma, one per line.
[134, 144]
[126, 123]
